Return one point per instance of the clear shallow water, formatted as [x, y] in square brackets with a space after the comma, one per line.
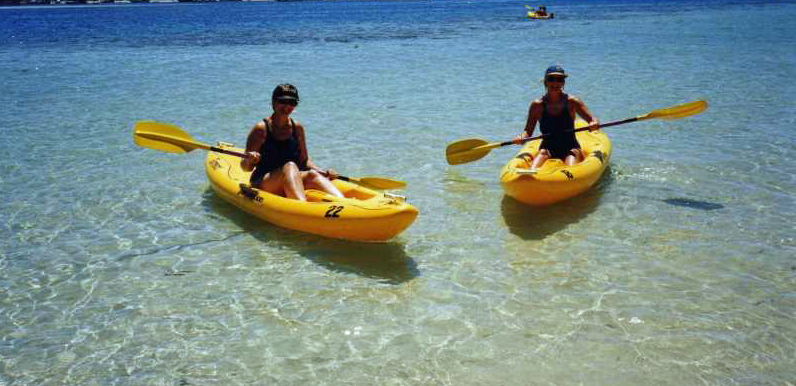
[119, 266]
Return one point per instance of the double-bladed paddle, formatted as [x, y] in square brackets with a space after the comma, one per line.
[472, 149]
[170, 138]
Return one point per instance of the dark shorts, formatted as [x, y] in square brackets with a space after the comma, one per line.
[559, 148]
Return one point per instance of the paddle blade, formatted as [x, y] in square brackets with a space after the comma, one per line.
[380, 183]
[466, 150]
[464, 144]
[677, 112]
[164, 137]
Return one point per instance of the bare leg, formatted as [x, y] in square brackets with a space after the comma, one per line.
[315, 180]
[287, 179]
[294, 186]
[540, 158]
[575, 156]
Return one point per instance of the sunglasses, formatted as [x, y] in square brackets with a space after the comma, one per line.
[291, 102]
[557, 79]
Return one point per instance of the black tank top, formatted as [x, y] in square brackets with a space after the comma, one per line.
[559, 128]
[276, 153]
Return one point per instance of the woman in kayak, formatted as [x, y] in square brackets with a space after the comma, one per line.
[555, 111]
[277, 152]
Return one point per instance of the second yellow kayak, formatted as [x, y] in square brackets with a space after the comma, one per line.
[534, 15]
[363, 215]
[555, 181]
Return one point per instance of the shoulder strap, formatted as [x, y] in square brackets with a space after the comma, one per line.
[293, 125]
[267, 126]
[544, 108]
[572, 114]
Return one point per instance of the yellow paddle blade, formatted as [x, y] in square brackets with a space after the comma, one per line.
[468, 150]
[677, 112]
[379, 183]
[470, 155]
[464, 144]
[164, 137]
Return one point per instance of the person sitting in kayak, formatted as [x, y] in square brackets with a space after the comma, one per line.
[277, 152]
[555, 111]
[542, 11]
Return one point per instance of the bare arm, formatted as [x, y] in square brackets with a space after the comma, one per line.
[303, 146]
[583, 111]
[331, 174]
[254, 141]
[534, 114]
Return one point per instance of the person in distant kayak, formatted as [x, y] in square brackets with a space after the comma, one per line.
[542, 11]
[277, 152]
[555, 111]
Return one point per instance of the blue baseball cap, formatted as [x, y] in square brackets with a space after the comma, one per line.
[555, 70]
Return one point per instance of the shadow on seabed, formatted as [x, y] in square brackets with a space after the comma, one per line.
[695, 204]
[386, 262]
[536, 223]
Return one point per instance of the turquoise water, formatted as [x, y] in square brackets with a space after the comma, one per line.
[120, 266]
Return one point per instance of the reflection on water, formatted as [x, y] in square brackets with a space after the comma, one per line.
[536, 223]
[386, 262]
[455, 183]
[461, 192]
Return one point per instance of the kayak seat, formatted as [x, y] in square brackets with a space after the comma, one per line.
[358, 194]
[526, 156]
[314, 195]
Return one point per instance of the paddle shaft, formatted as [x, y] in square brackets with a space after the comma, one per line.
[241, 155]
[472, 149]
[170, 138]
[224, 151]
[344, 178]
[615, 123]
[187, 143]
[609, 124]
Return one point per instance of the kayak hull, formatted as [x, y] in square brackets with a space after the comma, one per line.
[534, 15]
[555, 181]
[363, 215]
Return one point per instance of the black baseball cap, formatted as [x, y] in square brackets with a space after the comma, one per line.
[285, 93]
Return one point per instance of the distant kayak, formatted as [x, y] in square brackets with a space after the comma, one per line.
[555, 181]
[363, 215]
[534, 15]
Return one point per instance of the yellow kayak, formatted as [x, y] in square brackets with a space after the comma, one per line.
[555, 181]
[534, 15]
[363, 215]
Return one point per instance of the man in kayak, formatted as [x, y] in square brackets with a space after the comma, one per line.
[277, 152]
[555, 111]
[542, 11]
